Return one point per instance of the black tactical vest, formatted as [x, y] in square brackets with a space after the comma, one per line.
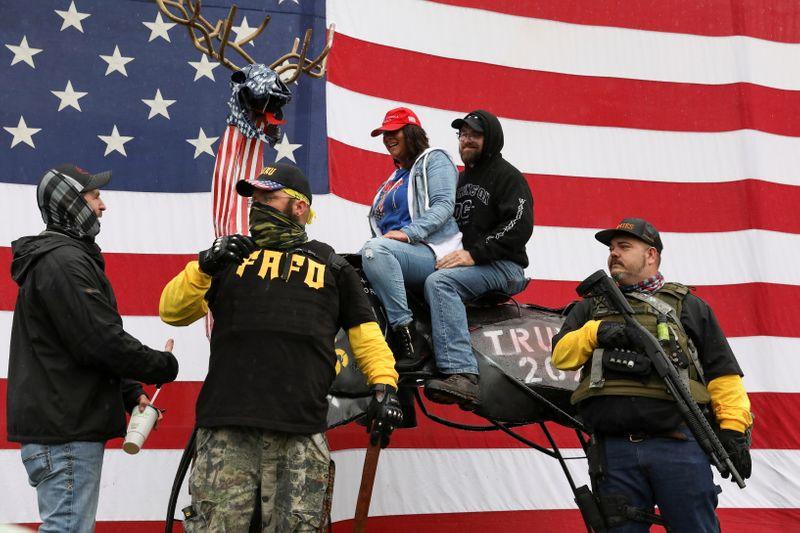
[652, 386]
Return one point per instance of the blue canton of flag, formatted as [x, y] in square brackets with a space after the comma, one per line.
[118, 86]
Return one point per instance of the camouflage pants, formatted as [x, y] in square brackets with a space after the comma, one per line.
[231, 464]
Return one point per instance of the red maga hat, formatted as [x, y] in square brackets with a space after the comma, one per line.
[396, 119]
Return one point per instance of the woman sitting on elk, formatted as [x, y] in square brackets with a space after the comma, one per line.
[412, 223]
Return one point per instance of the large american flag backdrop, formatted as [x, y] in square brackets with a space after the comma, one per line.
[686, 113]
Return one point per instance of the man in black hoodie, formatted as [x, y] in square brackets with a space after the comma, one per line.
[494, 210]
[71, 364]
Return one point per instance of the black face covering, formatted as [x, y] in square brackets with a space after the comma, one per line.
[275, 230]
[64, 208]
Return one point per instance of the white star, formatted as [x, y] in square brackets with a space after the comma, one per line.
[202, 144]
[69, 97]
[159, 28]
[204, 67]
[116, 62]
[72, 17]
[22, 133]
[158, 106]
[243, 30]
[23, 52]
[286, 149]
[115, 142]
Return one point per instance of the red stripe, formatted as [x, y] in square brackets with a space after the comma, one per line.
[775, 20]
[534, 95]
[217, 185]
[774, 429]
[744, 310]
[732, 521]
[355, 175]
[233, 169]
[128, 526]
[220, 179]
[137, 279]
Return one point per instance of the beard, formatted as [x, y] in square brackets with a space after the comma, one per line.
[469, 154]
[288, 210]
[630, 273]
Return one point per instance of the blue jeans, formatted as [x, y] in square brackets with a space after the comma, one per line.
[390, 267]
[446, 290]
[673, 474]
[67, 481]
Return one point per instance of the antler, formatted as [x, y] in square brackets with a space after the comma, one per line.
[313, 67]
[203, 34]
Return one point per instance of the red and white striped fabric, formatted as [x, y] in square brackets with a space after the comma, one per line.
[238, 158]
[686, 115]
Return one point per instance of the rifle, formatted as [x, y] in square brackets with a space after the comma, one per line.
[599, 284]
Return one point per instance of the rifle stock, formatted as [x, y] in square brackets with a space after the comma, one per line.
[600, 284]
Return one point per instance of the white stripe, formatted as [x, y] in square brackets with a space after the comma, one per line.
[191, 344]
[770, 364]
[134, 222]
[409, 481]
[759, 357]
[555, 253]
[588, 151]
[533, 44]
[720, 258]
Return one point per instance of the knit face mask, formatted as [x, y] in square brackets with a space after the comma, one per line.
[64, 208]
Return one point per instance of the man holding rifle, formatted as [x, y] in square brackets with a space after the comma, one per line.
[645, 454]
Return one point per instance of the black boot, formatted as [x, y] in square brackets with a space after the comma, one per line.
[408, 349]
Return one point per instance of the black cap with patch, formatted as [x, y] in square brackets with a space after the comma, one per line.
[472, 120]
[637, 227]
[87, 181]
[275, 177]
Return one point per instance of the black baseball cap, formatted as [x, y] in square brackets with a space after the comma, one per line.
[87, 180]
[472, 120]
[637, 227]
[275, 177]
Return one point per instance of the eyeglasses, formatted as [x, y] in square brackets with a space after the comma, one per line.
[474, 135]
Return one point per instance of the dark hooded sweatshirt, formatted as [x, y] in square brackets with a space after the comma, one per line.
[494, 206]
[69, 355]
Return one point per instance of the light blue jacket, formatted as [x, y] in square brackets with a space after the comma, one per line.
[431, 200]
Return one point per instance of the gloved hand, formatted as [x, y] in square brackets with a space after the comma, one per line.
[737, 444]
[618, 335]
[224, 251]
[383, 414]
